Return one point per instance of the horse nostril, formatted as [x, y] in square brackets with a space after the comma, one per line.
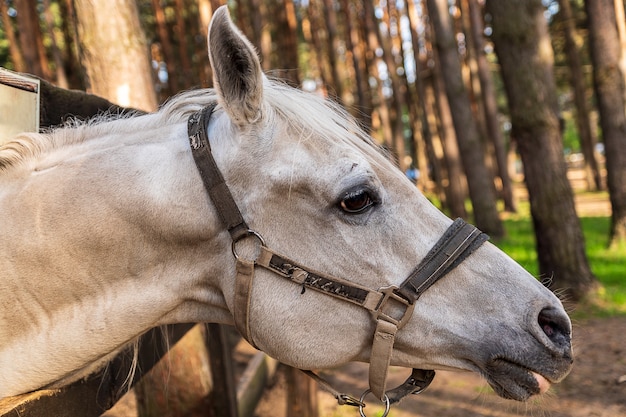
[556, 325]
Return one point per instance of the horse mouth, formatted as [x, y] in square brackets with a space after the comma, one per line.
[513, 381]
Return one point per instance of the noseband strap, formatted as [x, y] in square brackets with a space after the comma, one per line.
[391, 307]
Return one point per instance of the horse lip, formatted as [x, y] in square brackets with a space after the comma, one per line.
[512, 380]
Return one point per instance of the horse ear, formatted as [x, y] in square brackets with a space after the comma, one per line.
[237, 74]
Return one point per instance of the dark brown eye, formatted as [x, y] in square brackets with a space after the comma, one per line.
[357, 201]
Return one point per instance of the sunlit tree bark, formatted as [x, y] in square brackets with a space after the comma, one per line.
[114, 52]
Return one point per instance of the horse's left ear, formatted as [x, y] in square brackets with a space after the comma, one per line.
[237, 74]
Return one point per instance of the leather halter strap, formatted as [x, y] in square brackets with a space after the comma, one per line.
[212, 177]
[391, 307]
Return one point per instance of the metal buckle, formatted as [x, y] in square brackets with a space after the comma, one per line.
[345, 399]
[382, 310]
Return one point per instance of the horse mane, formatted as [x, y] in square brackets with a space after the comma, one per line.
[305, 112]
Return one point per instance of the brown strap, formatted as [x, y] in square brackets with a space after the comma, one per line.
[380, 357]
[213, 180]
[243, 292]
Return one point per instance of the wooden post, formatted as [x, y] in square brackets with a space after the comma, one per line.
[223, 395]
[301, 394]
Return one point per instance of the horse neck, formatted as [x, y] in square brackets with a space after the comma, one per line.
[100, 247]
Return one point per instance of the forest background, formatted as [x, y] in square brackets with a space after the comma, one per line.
[468, 96]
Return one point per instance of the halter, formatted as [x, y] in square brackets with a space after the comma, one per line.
[391, 306]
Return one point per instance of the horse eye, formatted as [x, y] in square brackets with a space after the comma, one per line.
[357, 202]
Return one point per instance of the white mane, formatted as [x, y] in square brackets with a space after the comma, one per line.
[305, 113]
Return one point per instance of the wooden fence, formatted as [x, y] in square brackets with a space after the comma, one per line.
[99, 392]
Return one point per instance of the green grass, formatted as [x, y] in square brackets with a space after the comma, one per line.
[607, 264]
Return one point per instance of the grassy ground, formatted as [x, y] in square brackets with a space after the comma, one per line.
[608, 264]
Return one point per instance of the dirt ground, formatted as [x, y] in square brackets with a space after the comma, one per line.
[596, 387]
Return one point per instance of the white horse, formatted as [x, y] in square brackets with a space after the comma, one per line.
[107, 231]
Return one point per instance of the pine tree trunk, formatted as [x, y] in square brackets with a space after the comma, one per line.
[355, 46]
[397, 100]
[520, 36]
[17, 58]
[30, 39]
[286, 41]
[479, 180]
[490, 105]
[60, 77]
[332, 46]
[167, 49]
[610, 88]
[114, 52]
[373, 42]
[583, 122]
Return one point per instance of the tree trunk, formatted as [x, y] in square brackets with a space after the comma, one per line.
[184, 72]
[61, 77]
[286, 41]
[522, 44]
[398, 99]
[30, 38]
[114, 52]
[372, 34]
[332, 48]
[422, 129]
[490, 105]
[609, 84]
[480, 182]
[75, 73]
[583, 122]
[356, 46]
[455, 183]
[17, 59]
[166, 47]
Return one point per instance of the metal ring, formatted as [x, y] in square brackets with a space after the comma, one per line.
[248, 233]
[362, 406]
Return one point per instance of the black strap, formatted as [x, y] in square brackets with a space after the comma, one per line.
[456, 244]
[419, 380]
[214, 183]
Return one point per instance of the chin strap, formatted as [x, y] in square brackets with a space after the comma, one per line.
[391, 307]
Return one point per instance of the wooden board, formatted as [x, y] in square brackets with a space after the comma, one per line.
[19, 104]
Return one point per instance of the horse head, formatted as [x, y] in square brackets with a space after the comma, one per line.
[333, 202]
[108, 230]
